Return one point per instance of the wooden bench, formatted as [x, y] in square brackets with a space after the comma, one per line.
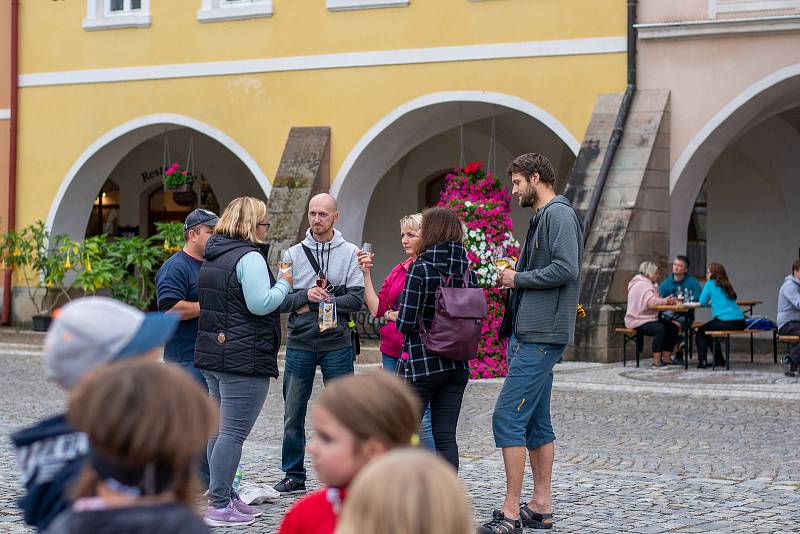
[630, 334]
[718, 335]
[789, 340]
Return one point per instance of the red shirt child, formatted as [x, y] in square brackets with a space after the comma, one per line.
[315, 513]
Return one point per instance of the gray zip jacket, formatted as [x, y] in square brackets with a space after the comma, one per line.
[550, 281]
[338, 258]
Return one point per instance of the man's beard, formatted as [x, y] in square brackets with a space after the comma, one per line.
[528, 199]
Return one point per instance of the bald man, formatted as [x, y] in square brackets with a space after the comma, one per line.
[324, 267]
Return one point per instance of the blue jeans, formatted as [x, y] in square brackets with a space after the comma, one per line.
[240, 401]
[194, 371]
[198, 375]
[298, 380]
[522, 413]
[425, 432]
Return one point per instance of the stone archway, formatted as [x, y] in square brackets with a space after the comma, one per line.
[764, 99]
[410, 125]
[71, 207]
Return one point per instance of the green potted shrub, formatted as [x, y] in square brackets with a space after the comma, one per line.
[43, 263]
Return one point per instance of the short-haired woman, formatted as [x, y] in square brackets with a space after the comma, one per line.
[727, 315]
[440, 382]
[237, 343]
[386, 304]
[642, 314]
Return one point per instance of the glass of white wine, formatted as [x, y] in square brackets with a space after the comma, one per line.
[284, 262]
[501, 261]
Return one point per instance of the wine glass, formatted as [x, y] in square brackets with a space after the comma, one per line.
[366, 248]
[284, 262]
[500, 260]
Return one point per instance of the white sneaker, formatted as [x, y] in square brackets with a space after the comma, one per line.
[258, 494]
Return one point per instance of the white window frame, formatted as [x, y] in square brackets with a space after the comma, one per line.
[716, 7]
[219, 10]
[100, 17]
[348, 5]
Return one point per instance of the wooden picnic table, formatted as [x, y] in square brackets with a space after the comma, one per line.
[749, 304]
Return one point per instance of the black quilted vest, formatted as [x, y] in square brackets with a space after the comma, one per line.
[230, 339]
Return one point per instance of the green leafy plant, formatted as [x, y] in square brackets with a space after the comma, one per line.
[172, 236]
[41, 262]
[92, 266]
[137, 260]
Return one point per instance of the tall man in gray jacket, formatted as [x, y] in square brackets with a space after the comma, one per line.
[539, 321]
[325, 268]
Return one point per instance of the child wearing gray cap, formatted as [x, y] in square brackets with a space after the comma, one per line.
[86, 335]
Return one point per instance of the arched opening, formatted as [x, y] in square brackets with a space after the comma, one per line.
[115, 187]
[399, 165]
[732, 192]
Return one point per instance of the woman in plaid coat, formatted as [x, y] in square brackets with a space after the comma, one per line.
[438, 381]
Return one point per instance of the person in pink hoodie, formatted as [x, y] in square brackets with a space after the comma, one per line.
[642, 314]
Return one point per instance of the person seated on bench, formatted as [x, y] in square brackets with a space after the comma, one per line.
[789, 313]
[680, 284]
[724, 310]
[643, 317]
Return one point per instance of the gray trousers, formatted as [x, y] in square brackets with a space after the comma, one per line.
[240, 400]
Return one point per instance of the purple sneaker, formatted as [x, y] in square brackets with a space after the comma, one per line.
[227, 517]
[243, 507]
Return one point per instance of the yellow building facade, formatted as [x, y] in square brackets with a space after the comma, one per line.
[106, 86]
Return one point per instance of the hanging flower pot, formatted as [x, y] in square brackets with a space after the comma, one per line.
[175, 179]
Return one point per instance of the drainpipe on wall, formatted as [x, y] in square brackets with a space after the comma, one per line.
[12, 153]
[619, 125]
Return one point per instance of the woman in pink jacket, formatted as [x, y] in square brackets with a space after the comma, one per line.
[643, 316]
[385, 304]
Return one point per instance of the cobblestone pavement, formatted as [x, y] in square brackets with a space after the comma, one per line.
[638, 450]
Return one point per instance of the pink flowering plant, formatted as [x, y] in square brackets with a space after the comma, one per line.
[484, 206]
[174, 177]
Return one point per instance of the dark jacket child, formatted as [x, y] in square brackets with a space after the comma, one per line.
[87, 334]
[148, 424]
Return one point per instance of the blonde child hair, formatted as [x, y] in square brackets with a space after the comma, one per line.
[407, 491]
[374, 405]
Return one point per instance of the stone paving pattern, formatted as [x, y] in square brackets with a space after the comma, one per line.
[638, 450]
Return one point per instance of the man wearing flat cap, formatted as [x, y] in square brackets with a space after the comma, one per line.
[176, 289]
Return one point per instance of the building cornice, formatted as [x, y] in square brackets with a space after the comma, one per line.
[526, 49]
[708, 28]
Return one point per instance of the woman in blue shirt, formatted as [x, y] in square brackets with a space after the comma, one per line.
[727, 315]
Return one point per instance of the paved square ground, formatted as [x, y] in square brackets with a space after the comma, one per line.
[638, 450]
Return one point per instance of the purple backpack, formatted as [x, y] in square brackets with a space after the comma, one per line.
[458, 316]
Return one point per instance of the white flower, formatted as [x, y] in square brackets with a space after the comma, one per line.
[468, 204]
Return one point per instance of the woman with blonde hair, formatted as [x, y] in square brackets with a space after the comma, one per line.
[642, 314]
[407, 491]
[147, 424]
[386, 304]
[237, 343]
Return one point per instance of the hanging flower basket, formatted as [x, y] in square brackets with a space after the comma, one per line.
[175, 179]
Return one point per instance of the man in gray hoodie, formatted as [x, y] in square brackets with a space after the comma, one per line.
[539, 322]
[789, 314]
[325, 268]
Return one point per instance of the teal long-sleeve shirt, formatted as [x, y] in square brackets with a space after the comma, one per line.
[723, 307]
[252, 273]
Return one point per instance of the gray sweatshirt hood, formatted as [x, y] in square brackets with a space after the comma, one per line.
[789, 301]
